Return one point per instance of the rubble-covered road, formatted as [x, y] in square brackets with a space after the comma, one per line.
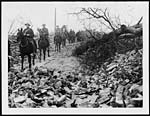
[59, 82]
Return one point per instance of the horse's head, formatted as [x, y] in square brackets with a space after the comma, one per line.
[20, 34]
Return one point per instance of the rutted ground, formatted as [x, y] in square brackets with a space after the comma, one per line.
[62, 61]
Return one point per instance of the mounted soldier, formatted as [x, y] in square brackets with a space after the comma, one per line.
[58, 30]
[27, 44]
[58, 39]
[72, 36]
[43, 42]
[44, 32]
[28, 32]
[64, 35]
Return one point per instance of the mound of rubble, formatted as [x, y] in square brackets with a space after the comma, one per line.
[116, 84]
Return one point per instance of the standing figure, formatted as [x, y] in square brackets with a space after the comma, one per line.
[58, 41]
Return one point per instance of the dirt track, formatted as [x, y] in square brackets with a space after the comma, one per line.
[62, 61]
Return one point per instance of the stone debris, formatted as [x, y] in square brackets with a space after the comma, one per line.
[61, 82]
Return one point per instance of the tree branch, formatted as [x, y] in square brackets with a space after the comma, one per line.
[139, 21]
[91, 34]
[11, 25]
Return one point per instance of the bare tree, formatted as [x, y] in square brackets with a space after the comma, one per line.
[100, 14]
[118, 30]
[114, 23]
[103, 17]
[12, 23]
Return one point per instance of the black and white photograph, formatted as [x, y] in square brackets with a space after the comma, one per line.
[75, 57]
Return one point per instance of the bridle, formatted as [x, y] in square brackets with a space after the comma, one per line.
[25, 44]
[20, 37]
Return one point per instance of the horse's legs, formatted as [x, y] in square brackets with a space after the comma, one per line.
[22, 57]
[59, 47]
[56, 47]
[65, 43]
[44, 52]
[40, 53]
[48, 51]
[62, 43]
[33, 58]
[29, 60]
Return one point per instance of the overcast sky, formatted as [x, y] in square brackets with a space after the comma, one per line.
[43, 12]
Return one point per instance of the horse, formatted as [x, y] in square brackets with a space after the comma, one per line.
[58, 42]
[72, 36]
[69, 38]
[64, 36]
[26, 48]
[43, 44]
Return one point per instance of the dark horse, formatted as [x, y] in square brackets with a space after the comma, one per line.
[57, 42]
[63, 40]
[26, 48]
[65, 36]
[43, 44]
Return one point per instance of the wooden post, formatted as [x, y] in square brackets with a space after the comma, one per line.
[55, 22]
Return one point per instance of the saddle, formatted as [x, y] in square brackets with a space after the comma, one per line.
[43, 38]
[33, 42]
